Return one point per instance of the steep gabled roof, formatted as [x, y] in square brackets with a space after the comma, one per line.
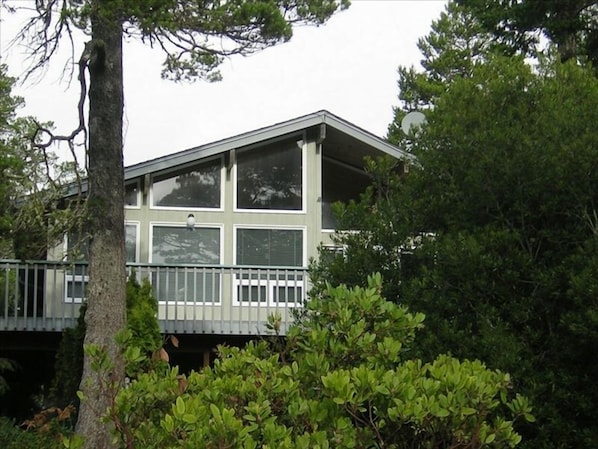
[344, 132]
[264, 134]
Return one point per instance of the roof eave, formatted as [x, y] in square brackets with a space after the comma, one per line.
[264, 134]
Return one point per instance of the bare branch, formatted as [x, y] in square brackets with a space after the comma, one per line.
[43, 34]
[43, 137]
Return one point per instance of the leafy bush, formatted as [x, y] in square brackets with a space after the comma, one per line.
[343, 378]
[142, 312]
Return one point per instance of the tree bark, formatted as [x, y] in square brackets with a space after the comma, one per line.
[106, 308]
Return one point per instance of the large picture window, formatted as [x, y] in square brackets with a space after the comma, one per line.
[192, 187]
[270, 178]
[175, 246]
[340, 182]
[270, 247]
[278, 251]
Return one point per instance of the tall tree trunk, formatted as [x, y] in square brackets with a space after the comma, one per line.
[106, 310]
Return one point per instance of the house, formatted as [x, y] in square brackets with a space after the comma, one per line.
[223, 231]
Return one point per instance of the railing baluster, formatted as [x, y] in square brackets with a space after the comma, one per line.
[185, 297]
[16, 298]
[25, 283]
[199, 293]
[176, 297]
[50, 301]
[6, 296]
[166, 298]
[200, 326]
[35, 291]
[251, 299]
[232, 290]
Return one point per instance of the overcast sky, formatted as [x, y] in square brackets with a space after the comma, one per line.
[348, 67]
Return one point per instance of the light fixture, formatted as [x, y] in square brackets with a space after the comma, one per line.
[190, 222]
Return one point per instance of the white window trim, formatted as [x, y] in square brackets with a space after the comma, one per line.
[191, 208]
[175, 224]
[303, 230]
[138, 195]
[270, 284]
[169, 224]
[335, 248]
[137, 225]
[299, 137]
[74, 279]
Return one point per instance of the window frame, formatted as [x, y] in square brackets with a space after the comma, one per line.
[176, 302]
[270, 285]
[335, 249]
[301, 228]
[137, 225]
[74, 279]
[327, 159]
[297, 137]
[181, 168]
[174, 224]
[138, 184]
[265, 280]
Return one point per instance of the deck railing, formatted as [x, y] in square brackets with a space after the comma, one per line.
[211, 299]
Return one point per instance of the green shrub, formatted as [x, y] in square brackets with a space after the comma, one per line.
[69, 364]
[14, 437]
[142, 312]
[343, 378]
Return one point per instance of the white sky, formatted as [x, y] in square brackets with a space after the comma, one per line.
[348, 66]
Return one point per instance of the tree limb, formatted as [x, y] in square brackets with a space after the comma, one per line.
[43, 137]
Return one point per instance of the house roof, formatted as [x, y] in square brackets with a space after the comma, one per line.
[340, 128]
[343, 139]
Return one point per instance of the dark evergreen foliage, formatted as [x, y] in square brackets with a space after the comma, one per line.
[69, 364]
[495, 238]
[571, 25]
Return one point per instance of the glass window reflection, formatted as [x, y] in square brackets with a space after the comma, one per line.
[177, 245]
[196, 187]
[270, 177]
[270, 247]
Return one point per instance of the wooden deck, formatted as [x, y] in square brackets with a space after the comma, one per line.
[218, 300]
